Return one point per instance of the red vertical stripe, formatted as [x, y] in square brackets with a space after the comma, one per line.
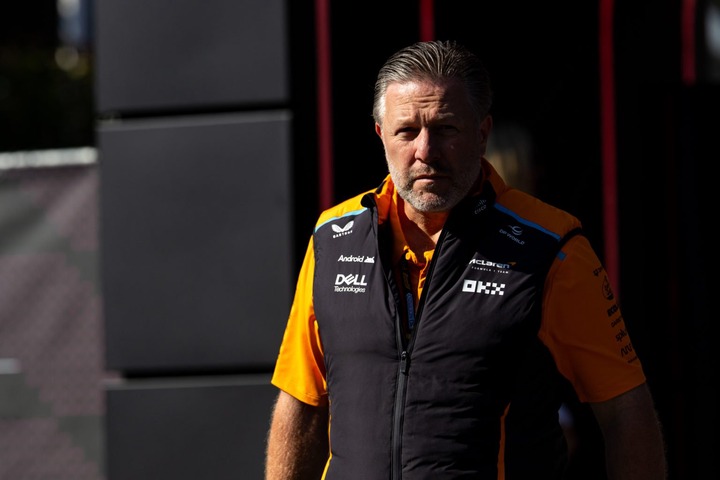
[608, 143]
[324, 103]
[427, 20]
[688, 42]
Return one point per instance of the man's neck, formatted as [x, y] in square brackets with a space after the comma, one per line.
[421, 229]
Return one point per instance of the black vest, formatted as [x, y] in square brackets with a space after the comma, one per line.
[432, 407]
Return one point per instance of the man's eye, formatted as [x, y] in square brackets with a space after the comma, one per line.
[407, 132]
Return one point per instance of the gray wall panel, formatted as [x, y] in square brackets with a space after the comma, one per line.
[168, 54]
[196, 234]
[190, 429]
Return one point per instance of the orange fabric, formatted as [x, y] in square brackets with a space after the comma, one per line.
[581, 325]
[418, 266]
[300, 369]
[584, 329]
[501, 449]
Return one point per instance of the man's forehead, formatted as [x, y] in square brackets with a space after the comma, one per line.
[443, 97]
[424, 85]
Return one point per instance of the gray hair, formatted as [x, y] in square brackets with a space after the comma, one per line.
[435, 61]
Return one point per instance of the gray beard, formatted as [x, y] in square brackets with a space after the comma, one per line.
[431, 202]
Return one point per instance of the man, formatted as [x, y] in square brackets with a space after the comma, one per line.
[438, 317]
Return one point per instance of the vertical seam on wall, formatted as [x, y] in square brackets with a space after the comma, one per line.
[324, 103]
[687, 29]
[608, 143]
[427, 20]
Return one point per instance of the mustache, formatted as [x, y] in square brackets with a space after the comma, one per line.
[427, 170]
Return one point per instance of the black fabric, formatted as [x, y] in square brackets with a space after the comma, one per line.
[435, 409]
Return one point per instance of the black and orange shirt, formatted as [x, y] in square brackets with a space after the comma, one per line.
[565, 298]
[581, 323]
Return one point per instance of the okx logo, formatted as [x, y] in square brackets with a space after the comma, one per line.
[488, 288]
[350, 283]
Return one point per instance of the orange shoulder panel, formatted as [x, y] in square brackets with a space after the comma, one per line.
[583, 326]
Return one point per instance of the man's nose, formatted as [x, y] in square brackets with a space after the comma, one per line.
[426, 147]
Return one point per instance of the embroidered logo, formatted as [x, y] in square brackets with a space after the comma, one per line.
[513, 234]
[488, 266]
[607, 289]
[341, 231]
[488, 288]
[356, 258]
[351, 283]
[480, 206]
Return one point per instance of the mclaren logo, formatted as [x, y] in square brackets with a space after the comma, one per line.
[341, 231]
[488, 266]
[488, 288]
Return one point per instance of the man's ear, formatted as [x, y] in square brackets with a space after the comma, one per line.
[378, 129]
[485, 128]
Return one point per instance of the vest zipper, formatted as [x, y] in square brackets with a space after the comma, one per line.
[403, 370]
[396, 460]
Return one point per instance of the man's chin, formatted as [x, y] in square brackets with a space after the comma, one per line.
[430, 203]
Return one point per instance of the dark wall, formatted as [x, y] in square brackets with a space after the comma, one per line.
[545, 64]
[666, 132]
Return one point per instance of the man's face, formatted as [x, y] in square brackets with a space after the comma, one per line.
[433, 143]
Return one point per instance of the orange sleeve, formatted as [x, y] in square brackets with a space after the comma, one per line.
[300, 368]
[583, 326]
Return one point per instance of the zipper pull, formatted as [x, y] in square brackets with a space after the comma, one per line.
[404, 362]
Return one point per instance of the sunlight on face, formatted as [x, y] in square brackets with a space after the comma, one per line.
[433, 143]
